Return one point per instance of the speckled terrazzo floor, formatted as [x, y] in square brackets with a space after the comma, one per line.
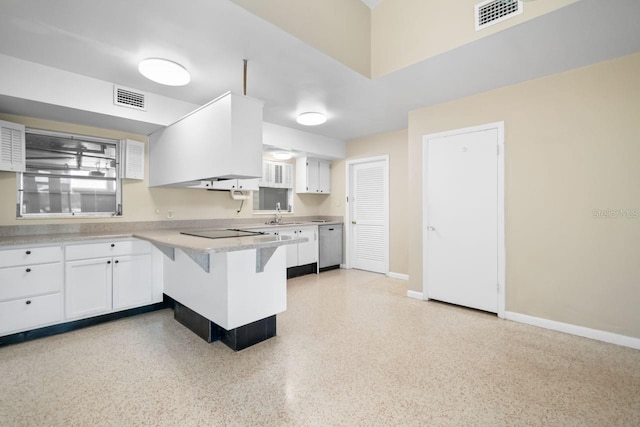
[351, 350]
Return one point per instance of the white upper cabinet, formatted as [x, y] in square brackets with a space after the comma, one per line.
[313, 175]
[220, 140]
[276, 175]
[324, 176]
[12, 147]
[234, 184]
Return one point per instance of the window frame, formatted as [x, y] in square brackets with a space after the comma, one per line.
[20, 214]
[264, 182]
[289, 209]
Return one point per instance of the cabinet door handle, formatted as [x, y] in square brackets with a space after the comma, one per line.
[28, 252]
[117, 261]
[28, 270]
[113, 245]
[28, 302]
[108, 262]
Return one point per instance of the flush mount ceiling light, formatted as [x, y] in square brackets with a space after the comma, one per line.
[282, 155]
[164, 72]
[311, 119]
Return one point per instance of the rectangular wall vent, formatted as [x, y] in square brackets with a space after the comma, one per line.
[129, 98]
[493, 11]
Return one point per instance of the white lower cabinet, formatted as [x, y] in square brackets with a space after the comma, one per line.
[29, 313]
[132, 284]
[102, 284]
[302, 253]
[30, 288]
[292, 250]
[88, 287]
[39, 287]
[308, 251]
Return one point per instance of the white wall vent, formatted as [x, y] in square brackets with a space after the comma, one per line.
[129, 98]
[493, 11]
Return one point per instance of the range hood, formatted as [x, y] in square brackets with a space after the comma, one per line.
[219, 141]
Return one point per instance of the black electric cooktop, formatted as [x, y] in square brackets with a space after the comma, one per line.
[221, 234]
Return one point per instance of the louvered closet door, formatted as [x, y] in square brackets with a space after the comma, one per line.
[368, 216]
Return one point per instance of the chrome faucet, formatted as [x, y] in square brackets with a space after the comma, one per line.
[278, 218]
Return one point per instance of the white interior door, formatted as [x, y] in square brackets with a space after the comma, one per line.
[462, 219]
[368, 215]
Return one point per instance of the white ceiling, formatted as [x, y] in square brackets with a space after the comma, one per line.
[107, 39]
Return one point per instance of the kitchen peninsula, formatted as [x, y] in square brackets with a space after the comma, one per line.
[227, 288]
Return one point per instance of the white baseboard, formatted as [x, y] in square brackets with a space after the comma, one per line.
[568, 328]
[398, 276]
[416, 295]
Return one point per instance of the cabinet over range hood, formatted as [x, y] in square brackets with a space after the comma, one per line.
[221, 140]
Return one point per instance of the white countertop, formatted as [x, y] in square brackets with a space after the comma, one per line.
[47, 239]
[174, 239]
[287, 224]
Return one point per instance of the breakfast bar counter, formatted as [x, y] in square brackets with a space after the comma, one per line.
[227, 288]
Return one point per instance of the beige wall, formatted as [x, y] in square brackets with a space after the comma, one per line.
[394, 145]
[404, 32]
[571, 146]
[339, 28]
[139, 201]
[394, 35]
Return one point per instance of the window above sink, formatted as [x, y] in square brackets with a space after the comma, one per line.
[275, 187]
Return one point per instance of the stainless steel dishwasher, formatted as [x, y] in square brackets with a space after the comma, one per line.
[330, 246]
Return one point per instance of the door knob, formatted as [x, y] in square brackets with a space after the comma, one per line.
[431, 228]
[353, 222]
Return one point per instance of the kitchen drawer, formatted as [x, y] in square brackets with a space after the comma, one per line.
[30, 313]
[24, 281]
[30, 255]
[106, 249]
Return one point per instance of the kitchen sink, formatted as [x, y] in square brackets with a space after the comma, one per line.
[284, 223]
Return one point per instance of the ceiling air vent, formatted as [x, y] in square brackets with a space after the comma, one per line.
[128, 98]
[493, 11]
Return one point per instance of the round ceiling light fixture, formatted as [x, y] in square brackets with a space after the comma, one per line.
[311, 119]
[164, 72]
[282, 155]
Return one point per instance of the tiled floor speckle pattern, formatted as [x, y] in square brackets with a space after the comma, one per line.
[351, 350]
